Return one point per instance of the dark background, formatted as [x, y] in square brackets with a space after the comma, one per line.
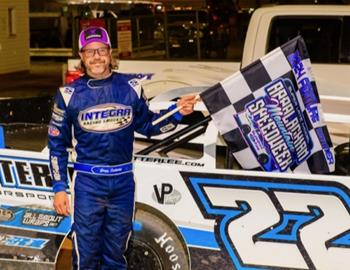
[197, 29]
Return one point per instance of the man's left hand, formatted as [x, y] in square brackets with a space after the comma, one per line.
[187, 103]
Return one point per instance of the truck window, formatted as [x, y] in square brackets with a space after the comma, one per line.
[323, 36]
[345, 43]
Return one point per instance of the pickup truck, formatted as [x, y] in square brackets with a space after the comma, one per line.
[194, 209]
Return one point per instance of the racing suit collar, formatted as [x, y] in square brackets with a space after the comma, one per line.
[93, 83]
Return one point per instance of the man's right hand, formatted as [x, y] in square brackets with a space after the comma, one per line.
[61, 203]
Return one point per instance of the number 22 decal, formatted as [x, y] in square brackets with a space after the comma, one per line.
[280, 223]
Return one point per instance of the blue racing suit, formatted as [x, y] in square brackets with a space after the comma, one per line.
[97, 118]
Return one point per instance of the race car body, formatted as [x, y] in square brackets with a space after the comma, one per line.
[192, 212]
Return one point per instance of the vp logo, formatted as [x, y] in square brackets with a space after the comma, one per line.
[277, 224]
[166, 194]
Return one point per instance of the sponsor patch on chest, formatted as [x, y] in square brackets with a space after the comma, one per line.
[105, 117]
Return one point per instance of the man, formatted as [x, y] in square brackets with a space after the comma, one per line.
[97, 114]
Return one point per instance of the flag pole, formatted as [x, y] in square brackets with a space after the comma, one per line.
[168, 114]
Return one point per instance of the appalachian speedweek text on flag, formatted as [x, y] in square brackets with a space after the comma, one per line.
[270, 115]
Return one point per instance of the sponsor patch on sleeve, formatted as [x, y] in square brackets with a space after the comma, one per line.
[55, 168]
[57, 117]
[167, 128]
[54, 131]
[68, 90]
[136, 85]
[67, 93]
[58, 110]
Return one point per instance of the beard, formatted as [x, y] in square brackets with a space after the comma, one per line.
[98, 68]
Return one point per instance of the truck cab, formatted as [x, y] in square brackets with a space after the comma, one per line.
[325, 29]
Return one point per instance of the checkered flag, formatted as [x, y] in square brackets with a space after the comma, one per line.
[270, 115]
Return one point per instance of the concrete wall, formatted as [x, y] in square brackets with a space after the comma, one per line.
[14, 48]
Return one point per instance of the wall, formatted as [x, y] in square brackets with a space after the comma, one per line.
[14, 49]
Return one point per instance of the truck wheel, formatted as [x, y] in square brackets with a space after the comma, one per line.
[156, 244]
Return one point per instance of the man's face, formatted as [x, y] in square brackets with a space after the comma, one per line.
[97, 58]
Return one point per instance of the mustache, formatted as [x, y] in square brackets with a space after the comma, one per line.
[97, 62]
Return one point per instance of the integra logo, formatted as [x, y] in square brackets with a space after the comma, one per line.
[276, 223]
[105, 118]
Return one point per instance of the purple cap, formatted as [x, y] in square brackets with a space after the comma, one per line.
[93, 34]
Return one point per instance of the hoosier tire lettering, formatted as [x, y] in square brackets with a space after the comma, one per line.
[156, 244]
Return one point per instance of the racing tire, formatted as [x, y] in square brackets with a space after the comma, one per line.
[156, 244]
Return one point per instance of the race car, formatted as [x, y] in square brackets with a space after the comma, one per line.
[194, 209]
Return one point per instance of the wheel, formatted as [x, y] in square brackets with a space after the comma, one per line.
[156, 244]
[141, 255]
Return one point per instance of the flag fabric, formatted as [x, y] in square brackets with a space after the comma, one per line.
[270, 115]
